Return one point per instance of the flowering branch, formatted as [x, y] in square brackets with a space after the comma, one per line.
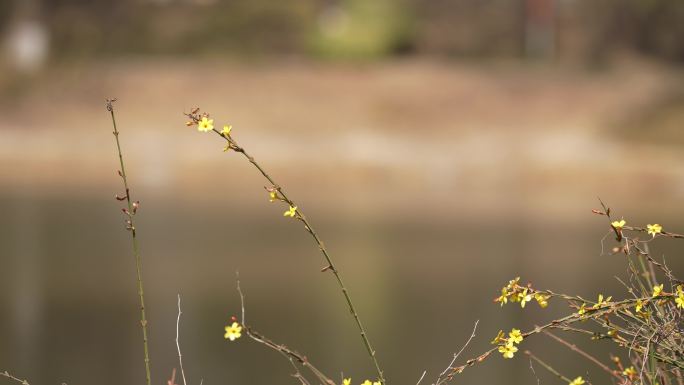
[205, 124]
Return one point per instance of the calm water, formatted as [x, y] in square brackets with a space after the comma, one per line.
[69, 301]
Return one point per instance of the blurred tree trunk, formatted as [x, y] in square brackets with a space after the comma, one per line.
[540, 29]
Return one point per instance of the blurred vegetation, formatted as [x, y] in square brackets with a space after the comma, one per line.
[364, 29]
[582, 29]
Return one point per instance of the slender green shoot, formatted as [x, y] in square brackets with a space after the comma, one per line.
[130, 226]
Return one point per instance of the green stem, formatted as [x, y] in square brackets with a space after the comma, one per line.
[136, 253]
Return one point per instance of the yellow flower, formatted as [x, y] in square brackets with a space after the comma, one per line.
[503, 298]
[657, 290]
[629, 372]
[509, 291]
[601, 302]
[577, 381]
[367, 382]
[524, 298]
[680, 297]
[513, 283]
[291, 212]
[377, 383]
[499, 338]
[233, 331]
[582, 310]
[273, 196]
[515, 336]
[639, 306]
[542, 300]
[508, 350]
[205, 125]
[654, 229]
[226, 130]
[346, 381]
[619, 224]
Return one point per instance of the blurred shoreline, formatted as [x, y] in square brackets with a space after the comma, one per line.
[451, 137]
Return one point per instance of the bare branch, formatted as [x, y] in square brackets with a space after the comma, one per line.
[180, 356]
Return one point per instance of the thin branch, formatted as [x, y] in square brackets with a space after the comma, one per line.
[13, 378]
[180, 356]
[286, 352]
[584, 354]
[456, 355]
[421, 377]
[534, 372]
[130, 213]
[547, 366]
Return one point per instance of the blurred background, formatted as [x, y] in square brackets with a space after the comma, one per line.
[440, 147]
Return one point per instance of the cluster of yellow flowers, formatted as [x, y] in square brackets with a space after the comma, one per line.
[599, 304]
[274, 196]
[507, 345]
[679, 300]
[658, 292]
[652, 230]
[233, 331]
[516, 293]
[205, 125]
[347, 381]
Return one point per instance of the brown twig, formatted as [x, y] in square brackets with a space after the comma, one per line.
[584, 354]
[456, 355]
[288, 353]
[172, 380]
